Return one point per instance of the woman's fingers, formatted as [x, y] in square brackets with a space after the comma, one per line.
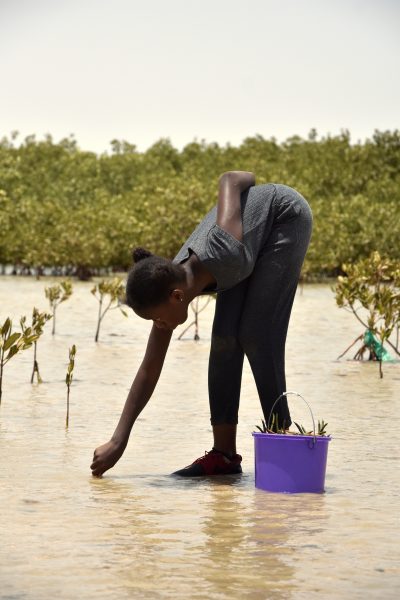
[96, 468]
[105, 457]
[96, 465]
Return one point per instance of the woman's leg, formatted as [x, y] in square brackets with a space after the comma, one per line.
[225, 367]
[270, 294]
[225, 438]
[224, 380]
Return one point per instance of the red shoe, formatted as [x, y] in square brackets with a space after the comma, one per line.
[214, 462]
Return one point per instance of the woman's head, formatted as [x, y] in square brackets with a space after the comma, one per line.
[155, 289]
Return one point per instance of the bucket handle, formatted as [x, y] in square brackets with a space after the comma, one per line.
[309, 408]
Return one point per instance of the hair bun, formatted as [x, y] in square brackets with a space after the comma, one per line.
[139, 254]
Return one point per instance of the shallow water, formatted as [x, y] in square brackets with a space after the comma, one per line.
[139, 533]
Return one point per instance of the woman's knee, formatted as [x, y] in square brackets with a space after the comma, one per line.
[261, 341]
[224, 345]
[248, 340]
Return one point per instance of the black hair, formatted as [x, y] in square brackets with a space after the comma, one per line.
[151, 279]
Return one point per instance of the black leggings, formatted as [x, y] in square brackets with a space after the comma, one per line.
[252, 318]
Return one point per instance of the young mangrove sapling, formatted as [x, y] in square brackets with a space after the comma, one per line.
[370, 290]
[273, 427]
[13, 342]
[56, 294]
[69, 376]
[38, 322]
[115, 290]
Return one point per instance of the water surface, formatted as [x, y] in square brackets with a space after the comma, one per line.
[140, 533]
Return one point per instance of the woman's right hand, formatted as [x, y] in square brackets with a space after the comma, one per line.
[106, 456]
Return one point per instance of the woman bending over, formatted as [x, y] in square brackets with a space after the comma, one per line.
[249, 249]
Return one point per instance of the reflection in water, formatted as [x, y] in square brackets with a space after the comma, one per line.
[245, 545]
[140, 533]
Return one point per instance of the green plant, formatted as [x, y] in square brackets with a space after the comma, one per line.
[39, 319]
[69, 376]
[194, 305]
[13, 342]
[263, 427]
[370, 289]
[60, 292]
[322, 427]
[320, 431]
[116, 197]
[115, 290]
[274, 427]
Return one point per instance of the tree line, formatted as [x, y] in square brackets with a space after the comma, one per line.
[80, 213]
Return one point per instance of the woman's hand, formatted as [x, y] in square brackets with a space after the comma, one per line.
[106, 456]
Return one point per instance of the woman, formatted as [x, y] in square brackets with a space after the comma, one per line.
[249, 249]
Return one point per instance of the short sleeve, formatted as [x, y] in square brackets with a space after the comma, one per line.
[226, 257]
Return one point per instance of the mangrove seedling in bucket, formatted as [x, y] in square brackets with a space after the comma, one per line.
[39, 319]
[69, 376]
[273, 427]
[60, 292]
[110, 295]
[320, 431]
[197, 309]
[370, 289]
[11, 343]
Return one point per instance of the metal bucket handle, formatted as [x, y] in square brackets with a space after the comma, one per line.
[309, 408]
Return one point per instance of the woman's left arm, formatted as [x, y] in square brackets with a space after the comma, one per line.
[229, 214]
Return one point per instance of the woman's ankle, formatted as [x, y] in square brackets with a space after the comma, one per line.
[228, 453]
[225, 438]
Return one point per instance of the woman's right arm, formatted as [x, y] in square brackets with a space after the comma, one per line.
[108, 454]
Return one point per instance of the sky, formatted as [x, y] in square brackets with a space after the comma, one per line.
[213, 70]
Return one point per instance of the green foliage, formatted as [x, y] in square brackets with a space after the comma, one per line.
[69, 377]
[263, 427]
[13, 342]
[370, 289]
[39, 319]
[57, 293]
[322, 427]
[301, 429]
[66, 209]
[274, 427]
[112, 293]
[320, 431]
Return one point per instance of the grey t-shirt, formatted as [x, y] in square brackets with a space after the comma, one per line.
[229, 260]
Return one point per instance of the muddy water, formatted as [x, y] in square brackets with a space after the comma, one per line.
[139, 533]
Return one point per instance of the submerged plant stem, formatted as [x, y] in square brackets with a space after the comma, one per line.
[35, 365]
[1, 372]
[360, 337]
[99, 318]
[67, 417]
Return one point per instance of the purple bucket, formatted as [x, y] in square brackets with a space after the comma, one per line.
[290, 463]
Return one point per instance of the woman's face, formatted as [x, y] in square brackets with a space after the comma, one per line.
[170, 314]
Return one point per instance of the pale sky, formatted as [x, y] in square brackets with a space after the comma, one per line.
[218, 70]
